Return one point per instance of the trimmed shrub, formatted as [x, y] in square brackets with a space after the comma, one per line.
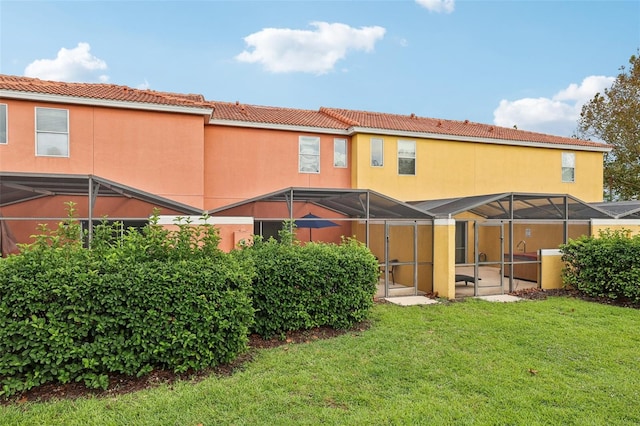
[164, 299]
[606, 266]
[129, 305]
[300, 287]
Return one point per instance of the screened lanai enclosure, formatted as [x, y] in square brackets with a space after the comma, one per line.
[398, 234]
[30, 200]
[493, 243]
[498, 237]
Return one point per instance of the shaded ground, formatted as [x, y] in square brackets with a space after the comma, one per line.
[121, 384]
[540, 294]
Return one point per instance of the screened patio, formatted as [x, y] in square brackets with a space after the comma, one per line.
[498, 237]
[398, 234]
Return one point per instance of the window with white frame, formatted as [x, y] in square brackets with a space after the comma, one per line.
[377, 157]
[568, 167]
[339, 153]
[309, 154]
[3, 124]
[406, 157]
[52, 132]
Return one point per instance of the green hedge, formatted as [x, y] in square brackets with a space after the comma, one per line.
[148, 300]
[155, 298]
[606, 266]
[300, 287]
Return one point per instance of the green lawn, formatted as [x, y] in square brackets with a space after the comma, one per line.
[559, 361]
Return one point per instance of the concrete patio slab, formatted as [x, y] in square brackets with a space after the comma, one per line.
[500, 298]
[410, 300]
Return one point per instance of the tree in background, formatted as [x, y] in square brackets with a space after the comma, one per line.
[614, 118]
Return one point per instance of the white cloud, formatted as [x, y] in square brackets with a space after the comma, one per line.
[144, 85]
[585, 92]
[73, 65]
[438, 6]
[557, 115]
[282, 50]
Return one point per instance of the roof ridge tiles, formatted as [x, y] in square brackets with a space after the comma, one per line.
[265, 107]
[270, 115]
[415, 123]
[331, 112]
[104, 91]
[324, 117]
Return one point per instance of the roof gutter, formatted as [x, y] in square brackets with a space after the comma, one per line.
[448, 137]
[351, 131]
[287, 127]
[31, 96]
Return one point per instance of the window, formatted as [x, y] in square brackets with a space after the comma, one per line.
[339, 153]
[3, 123]
[406, 157]
[568, 167]
[377, 159]
[309, 154]
[52, 132]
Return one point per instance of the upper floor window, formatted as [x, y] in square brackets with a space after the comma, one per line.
[406, 157]
[377, 157]
[309, 154]
[3, 123]
[568, 167]
[339, 153]
[52, 132]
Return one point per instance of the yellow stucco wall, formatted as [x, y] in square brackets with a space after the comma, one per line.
[447, 169]
[542, 235]
[551, 269]
[444, 269]
[631, 225]
[401, 248]
[551, 263]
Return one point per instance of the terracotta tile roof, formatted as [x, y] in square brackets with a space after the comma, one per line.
[413, 123]
[100, 91]
[275, 115]
[327, 118]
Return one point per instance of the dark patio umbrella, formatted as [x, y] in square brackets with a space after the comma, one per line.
[314, 222]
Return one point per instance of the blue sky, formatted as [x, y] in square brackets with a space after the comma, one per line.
[526, 63]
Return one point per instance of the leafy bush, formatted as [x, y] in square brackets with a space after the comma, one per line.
[300, 287]
[606, 266]
[155, 299]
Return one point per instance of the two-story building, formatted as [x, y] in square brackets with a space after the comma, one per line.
[120, 152]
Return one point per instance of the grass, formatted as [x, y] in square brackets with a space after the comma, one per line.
[558, 361]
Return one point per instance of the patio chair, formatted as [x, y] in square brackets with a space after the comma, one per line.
[466, 278]
[392, 266]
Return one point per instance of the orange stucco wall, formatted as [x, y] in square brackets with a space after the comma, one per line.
[54, 207]
[231, 234]
[156, 152]
[242, 163]
[278, 212]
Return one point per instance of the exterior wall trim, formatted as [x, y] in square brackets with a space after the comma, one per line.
[287, 127]
[199, 220]
[550, 252]
[444, 136]
[61, 99]
[405, 134]
[611, 222]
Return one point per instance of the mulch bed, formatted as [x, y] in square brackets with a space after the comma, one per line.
[120, 384]
[540, 294]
